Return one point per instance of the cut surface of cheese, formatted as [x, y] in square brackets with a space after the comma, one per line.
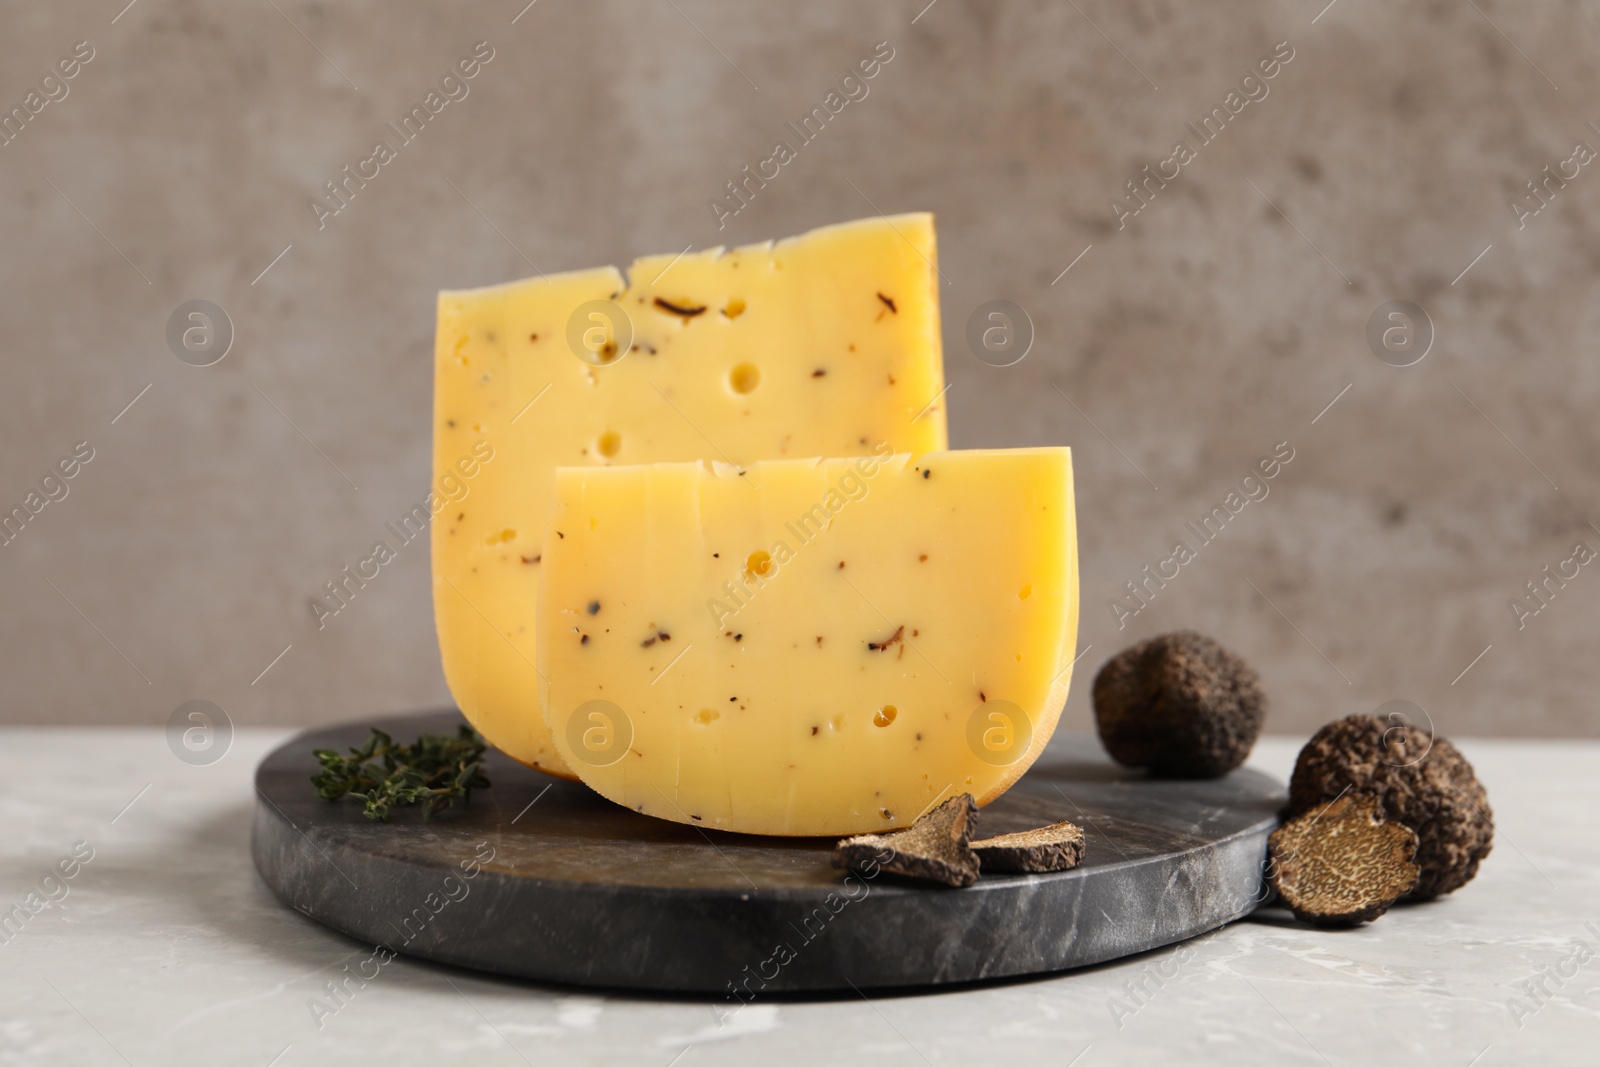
[825, 344]
[811, 646]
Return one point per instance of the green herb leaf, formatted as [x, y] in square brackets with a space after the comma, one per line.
[384, 775]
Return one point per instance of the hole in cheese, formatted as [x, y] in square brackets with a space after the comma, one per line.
[885, 715]
[707, 715]
[1025, 592]
[759, 564]
[610, 443]
[734, 309]
[744, 378]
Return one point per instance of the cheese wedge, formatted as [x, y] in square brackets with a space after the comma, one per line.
[809, 646]
[826, 344]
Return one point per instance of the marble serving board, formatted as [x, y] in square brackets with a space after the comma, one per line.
[543, 879]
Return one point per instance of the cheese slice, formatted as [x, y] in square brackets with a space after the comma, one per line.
[826, 344]
[809, 646]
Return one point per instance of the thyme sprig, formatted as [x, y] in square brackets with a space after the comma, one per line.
[384, 775]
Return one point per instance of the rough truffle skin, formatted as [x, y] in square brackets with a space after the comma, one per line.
[1179, 704]
[1341, 864]
[1423, 782]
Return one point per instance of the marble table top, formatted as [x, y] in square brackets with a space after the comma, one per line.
[154, 941]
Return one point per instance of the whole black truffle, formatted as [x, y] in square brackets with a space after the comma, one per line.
[1422, 782]
[1179, 704]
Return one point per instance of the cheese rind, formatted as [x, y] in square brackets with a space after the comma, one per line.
[825, 344]
[811, 646]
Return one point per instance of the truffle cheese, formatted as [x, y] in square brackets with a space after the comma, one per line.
[826, 344]
[808, 646]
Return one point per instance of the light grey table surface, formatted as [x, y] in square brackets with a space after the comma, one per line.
[167, 948]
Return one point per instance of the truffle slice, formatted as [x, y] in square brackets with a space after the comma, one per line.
[935, 848]
[1179, 704]
[1340, 864]
[1420, 781]
[1057, 847]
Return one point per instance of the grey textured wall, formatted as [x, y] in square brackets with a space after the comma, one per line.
[1179, 349]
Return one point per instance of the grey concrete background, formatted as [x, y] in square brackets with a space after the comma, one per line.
[1172, 355]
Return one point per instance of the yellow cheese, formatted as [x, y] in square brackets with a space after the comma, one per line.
[826, 344]
[812, 646]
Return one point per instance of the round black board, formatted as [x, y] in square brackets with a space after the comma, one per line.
[542, 878]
